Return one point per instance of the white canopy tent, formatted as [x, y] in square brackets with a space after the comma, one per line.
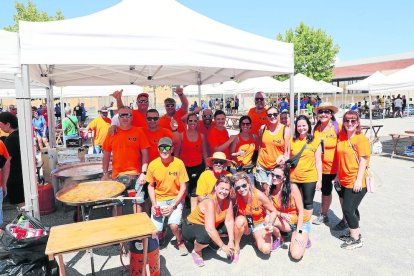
[264, 84]
[125, 45]
[366, 84]
[303, 84]
[400, 81]
[329, 88]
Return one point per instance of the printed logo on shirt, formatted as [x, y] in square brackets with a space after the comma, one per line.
[173, 173]
[132, 139]
[277, 141]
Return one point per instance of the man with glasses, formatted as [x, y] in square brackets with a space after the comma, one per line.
[138, 116]
[100, 126]
[167, 179]
[206, 123]
[258, 113]
[129, 148]
[172, 117]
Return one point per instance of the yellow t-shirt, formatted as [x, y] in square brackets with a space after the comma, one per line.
[100, 126]
[330, 140]
[166, 178]
[206, 182]
[272, 147]
[305, 171]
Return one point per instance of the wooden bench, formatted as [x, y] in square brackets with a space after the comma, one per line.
[396, 138]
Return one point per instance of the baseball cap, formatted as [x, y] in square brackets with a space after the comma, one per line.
[165, 141]
[143, 94]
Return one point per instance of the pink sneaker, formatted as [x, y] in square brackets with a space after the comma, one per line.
[276, 244]
[236, 257]
[308, 244]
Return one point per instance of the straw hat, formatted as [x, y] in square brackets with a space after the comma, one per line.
[217, 156]
[326, 105]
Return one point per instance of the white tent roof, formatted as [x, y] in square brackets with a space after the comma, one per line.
[402, 80]
[365, 84]
[329, 88]
[148, 42]
[303, 84]
[264, 84]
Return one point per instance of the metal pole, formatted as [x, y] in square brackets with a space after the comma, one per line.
[51, 116]
[292, 103]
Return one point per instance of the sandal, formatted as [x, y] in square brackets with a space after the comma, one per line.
[198, 260]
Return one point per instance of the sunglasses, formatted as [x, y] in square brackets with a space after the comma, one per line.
[125, 115]
[152, 119]
[219, 162]
[259, 99]
[142, 101]
[350, 121]
[193, 121]
[245, 124]
[169, 105]
[208, 116]
[164, 147]
[277, 176]
[242, 186]
[270, 115]
[324, 111]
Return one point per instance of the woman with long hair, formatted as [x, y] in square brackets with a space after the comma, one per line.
[242, 148]
[326, 131]
[307, 174]
[353, 152]
[287, 199]
[193, 152]
[214, 212]
[273, 143]
[255, 215]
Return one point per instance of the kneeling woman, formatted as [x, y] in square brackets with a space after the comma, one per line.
[252, 208]
[291, 216]
[202, 223]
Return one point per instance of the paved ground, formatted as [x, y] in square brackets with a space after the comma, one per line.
[385, 224]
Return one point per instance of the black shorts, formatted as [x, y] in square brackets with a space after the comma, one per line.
[198, 232]
[193, 176]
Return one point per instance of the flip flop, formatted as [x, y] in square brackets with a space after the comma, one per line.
[197, 259]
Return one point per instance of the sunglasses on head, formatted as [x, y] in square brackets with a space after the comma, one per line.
[242, 186]
[125, 115]
[152, 119]
[219, 162]
[324, 111]
[193, 121]
[277, 176]
[142, 101]
[208, 116]
[259, 99]
[169, 105]
[351, 121]
[164, 147]
[270, 115]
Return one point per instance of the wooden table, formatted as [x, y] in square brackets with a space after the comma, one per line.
[232, 121]
[375, 128]
[396, 137]
[98, 233]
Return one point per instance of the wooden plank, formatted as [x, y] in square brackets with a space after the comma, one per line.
[97, 233]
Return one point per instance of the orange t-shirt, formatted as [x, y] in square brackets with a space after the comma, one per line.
[347, 162]
[191, 152]
[255, 208]
[248, 146]
[153, 138]
[272, 147]
[216, 138]
[197, 217]
[202, 128]
[291, 209]
[126, 146]
[166, 178]
[139, 119]
[305, 171]
[329, 166]
[165, 121]
[100, 127]
[258, 119]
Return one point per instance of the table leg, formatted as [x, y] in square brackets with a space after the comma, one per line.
[395, 140]
[92, 263]
[145, 249]
[85, 217]
[61, 266]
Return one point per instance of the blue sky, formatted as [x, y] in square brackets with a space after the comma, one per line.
[361, 28]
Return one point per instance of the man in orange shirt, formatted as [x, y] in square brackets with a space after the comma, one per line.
[129, 148]
[173, 117]
[99, 126]
[258, 113]
[138, 116]
[207, 123]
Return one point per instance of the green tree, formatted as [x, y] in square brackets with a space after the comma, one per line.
[30, 13]
[315, 51]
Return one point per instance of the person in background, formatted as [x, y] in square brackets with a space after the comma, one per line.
[353, 153]
[70, 126]
[236, 105]
[167, 180]
[212, 214]
[100, 126]
[404, 104]
[398, 103]
[173, 117]
[13, 109]
[83, 116]
[284, 118]
[77, 110]
[39, 126]
[4, 175]
[58, 112]
[258, 113]
[283, 105]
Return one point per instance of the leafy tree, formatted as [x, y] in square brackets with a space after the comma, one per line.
[315, 51]
[30, 13]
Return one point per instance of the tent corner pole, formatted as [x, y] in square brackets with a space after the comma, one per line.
[292, 102]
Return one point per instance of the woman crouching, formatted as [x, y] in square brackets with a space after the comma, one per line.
[291, 217]
[203, 222]
[255, 215]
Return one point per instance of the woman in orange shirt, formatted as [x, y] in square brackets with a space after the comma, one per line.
[242, 148]
[215, 212]
[308, 172]
[287, 199]
[273, 143]
[353, 152]
[255, 214]
[326, 131]
[193, 152]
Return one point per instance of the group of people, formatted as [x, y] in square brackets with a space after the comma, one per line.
[392, 106]
[261, 181]
[231, 106]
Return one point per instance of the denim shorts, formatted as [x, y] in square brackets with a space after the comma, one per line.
[174, 218]
[306, 227]
[257, 227]
[262, 175]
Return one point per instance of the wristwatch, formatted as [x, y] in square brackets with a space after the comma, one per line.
[300, 231]
[144, 172]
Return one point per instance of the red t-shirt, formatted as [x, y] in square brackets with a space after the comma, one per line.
[139, 119]
[165, 121]
[216, 138]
